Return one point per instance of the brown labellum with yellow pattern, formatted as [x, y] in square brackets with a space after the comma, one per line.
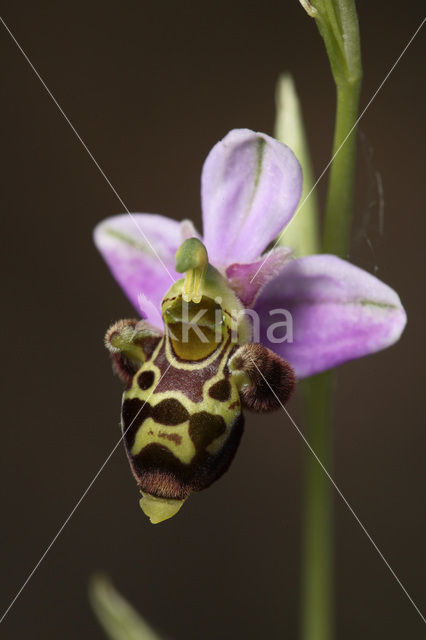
[182, 408]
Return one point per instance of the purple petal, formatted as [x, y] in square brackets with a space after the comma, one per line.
[250, 187]
[149, 311]
[338, 311]
[247, 280]
[140, 251]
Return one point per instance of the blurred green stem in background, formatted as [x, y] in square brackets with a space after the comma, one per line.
[317, 592]
[337, 22]
[118, 619]
[302, 233]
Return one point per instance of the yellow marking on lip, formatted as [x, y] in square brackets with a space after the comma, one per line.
[191, 366]
[150, 432]
[218, 442]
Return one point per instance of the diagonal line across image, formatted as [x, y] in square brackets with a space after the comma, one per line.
[92, 157]
[347, 504]
[77, 504]
[330, 162]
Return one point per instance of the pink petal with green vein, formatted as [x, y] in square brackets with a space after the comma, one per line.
[339, 312]
[139, 250]
[250, 187]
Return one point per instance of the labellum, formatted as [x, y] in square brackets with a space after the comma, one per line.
[186, 388]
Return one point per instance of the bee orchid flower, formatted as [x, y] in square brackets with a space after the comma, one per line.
[250, 188]
[181, 414]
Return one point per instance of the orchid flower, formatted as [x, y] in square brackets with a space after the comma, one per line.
[250, 188]
[207, 345]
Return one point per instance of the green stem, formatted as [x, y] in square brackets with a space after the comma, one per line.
[317, 571]
[338, 211]
[338, 24]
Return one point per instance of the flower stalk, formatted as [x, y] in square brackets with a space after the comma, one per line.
[337, 23]
[317, 611]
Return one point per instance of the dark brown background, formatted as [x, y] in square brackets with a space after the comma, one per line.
[151, 87]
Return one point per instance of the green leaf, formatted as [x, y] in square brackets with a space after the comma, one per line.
[117, 617]
[302, 233]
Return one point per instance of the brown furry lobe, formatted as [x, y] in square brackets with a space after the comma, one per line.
[269, 380]
[130, 343]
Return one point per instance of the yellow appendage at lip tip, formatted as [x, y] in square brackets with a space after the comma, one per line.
[159, 509]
